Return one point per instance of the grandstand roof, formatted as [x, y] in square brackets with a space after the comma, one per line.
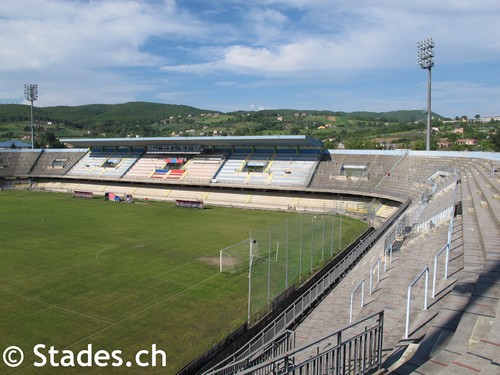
[14, 143]
[274, 140]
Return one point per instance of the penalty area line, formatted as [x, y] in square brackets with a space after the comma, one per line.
[141, 310]
[55, 306]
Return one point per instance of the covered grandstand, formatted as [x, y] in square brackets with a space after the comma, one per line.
[411, 198]
[272, 172]
[254, 161]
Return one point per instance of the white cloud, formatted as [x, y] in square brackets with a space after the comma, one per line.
[363, 35]
[45, 33]
[76, 50]
[225, 83]
[307, 58]
[112, 50]
[268, 25]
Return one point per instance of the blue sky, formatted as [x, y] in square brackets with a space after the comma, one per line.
[226, 55]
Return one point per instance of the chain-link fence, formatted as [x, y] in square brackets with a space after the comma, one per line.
[288, 252]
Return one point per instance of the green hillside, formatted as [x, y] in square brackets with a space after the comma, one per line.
[144, 113]
[353, 130]
[137, 113]
[402, 116]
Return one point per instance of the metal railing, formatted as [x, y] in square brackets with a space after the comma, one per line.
[403, 154]
[307, 299]
[284, 343]
[430, 214]
[362, 285]
[355, 349]
[434, 274]
[445, 249]
[377, 263]
[388, 250]
[425, 272]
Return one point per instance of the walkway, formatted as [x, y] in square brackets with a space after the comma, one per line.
[459, 333]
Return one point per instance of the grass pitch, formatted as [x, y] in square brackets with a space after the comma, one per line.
[121, 276]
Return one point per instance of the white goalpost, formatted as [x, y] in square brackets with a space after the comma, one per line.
[237, 258]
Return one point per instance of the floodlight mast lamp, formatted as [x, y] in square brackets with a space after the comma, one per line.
[425, 54]
[31, 94]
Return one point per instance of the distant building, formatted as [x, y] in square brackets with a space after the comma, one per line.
[444, 144]
[489, 118]
[458, 130]
[462, 119]
[467, 142]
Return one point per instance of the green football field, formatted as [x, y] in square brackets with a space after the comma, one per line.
[120, 276]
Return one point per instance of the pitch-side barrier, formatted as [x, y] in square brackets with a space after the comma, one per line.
[287, 317]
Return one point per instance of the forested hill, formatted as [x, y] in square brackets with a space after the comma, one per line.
[401, 116]
[354, 130]
[145, 113]
[136, 113]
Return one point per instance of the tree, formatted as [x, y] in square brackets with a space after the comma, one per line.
[496, 139]
[419, 145]
[329, 145]
[48, 139]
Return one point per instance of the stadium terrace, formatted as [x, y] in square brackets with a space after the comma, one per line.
[430, 213]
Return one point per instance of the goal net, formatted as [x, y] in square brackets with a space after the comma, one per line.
[238, 257]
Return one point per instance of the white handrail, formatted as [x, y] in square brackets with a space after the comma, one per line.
[434, 276]
[390, 256]
[371, 273]
[362, 285]
[408, 302]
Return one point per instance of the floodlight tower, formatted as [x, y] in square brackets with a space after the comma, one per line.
[425, 54]
[31, 94]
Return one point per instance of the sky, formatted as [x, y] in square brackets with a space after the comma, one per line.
[228, 55]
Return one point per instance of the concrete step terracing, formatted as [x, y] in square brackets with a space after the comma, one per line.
[459, 332]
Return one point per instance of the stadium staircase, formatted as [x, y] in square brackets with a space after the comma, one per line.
[458, 333]
[460, 330]
[464, 336]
